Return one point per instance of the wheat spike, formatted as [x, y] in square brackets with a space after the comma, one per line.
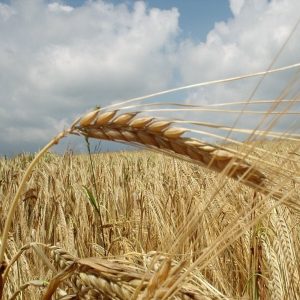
[61, 257]
[161, 136]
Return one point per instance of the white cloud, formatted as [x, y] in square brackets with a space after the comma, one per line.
[57, 60]
[236, 6]
[246, 43]
[56, 7]
[5, 11]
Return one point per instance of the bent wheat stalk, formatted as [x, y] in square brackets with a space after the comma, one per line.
[160, 135]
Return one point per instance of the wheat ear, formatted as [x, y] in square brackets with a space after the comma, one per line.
[160, 135]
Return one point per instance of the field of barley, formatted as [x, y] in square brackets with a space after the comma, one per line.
[143, 225]
[202, 101]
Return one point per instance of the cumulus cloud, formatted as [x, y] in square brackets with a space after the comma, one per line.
[236, 6]
[248, 42]
[57, 60]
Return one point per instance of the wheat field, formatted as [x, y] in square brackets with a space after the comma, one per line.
[153, 224]
[206, 207]
[194, 214]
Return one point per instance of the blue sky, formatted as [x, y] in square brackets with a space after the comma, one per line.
[197, 17]
[58, 59]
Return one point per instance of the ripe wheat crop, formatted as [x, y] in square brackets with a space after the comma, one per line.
[186, 219]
